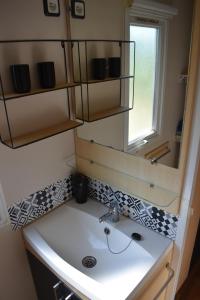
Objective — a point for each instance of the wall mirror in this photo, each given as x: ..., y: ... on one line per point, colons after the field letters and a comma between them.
x: 153, y: 129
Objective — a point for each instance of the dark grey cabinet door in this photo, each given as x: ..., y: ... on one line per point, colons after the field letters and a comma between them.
x: 48, y: 286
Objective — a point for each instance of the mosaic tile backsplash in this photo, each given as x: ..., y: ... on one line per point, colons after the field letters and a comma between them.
x: 135, y: 208
x: 53, y: 195
x: 40, y: 203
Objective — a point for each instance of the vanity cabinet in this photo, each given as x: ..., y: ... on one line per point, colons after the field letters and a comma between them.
x: 48, y: 286
x: 151, y: 291
x: 156, y: 286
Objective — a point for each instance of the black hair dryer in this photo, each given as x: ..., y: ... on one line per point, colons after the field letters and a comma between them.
x: 80, y: 187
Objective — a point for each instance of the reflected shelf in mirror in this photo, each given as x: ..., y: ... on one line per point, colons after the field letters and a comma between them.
x: 92, y: 81
x: 105, y: 114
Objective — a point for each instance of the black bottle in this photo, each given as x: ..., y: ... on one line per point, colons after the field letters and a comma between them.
x: 80, y: 187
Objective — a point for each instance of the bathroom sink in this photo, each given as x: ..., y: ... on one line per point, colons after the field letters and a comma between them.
x: 99, y: 260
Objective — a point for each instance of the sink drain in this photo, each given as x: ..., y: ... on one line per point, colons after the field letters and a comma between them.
x: 89, y: 262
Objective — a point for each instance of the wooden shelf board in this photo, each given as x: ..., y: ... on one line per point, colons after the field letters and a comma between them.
x: 42, y: 134
x: 39, y: 91
x: 107, y: 113
x: 92, y: 81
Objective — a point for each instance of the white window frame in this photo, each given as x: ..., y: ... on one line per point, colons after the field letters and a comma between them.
x: 149, y: 10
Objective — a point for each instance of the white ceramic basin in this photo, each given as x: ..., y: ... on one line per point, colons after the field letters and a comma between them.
x: 64, y: 237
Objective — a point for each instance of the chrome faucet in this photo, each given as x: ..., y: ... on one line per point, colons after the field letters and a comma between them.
x: 113, y: 213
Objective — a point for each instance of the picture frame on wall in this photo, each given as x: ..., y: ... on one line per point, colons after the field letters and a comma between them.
x: 78, y: 9
x: 51, y: 8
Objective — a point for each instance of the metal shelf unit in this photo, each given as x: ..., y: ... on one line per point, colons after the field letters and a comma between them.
x: 119, y: 104
x: 69, y: 85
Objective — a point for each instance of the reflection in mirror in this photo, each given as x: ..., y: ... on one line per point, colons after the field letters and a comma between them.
x: 153, y: 129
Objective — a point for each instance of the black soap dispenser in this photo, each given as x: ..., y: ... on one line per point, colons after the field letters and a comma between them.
x: 80, y: 187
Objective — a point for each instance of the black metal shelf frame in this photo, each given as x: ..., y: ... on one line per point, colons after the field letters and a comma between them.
x: 88, y: 81
x: 68, y: 85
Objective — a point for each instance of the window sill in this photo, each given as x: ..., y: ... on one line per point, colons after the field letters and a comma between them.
x: 139, y: 143
x: 153, y: 141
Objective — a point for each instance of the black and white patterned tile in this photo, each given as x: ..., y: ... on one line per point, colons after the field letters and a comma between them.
x: 135, y: 208
x: 40, y: 203
x: 53, y: 195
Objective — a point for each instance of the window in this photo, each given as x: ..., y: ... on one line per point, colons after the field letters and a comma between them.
x: 141, y: 118
x: 144, y: 119
x: 147, y: 24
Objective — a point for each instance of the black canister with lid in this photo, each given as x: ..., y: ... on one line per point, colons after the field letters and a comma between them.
x: 80, y: 187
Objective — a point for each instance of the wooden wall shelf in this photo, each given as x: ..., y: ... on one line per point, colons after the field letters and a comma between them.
x: 107, y: 113
x: 39, y: 135
x: 92, y: 81
x: 38, y: 91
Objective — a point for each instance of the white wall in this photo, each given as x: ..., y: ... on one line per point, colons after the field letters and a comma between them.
x: 104, y: 20
x: 31, y: 168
